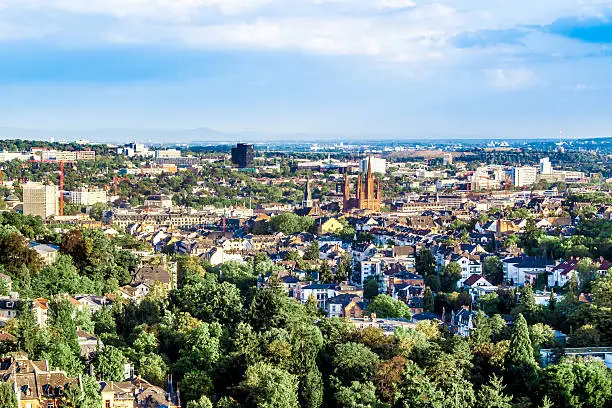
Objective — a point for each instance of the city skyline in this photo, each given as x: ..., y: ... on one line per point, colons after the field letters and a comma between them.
x: 336, y: 67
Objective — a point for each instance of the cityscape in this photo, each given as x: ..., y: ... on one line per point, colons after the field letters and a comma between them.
x: 334, y: 275
x: 305, y: 204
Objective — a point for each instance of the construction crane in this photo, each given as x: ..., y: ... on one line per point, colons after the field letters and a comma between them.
x: 116, y: 181
x: 61, y: 188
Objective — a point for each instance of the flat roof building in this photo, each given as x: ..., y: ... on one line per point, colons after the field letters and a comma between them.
x: 40, y: 199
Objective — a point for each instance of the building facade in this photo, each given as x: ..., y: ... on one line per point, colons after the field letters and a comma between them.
x: 368, y: 194
x: 40, y: 199
x: 243, y: 155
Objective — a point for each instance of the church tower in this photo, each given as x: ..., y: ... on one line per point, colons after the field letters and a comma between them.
x: 307, y: 201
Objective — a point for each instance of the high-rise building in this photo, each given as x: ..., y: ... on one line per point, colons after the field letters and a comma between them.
x: 524, y: 176
x: 40, y: 199
x: 378, y: 165
x: 368, y: 195
x: 243, y: 155
x: 545, y: 166
x: 447, y: 159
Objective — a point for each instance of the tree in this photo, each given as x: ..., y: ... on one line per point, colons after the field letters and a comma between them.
x: 145, y: 343
x: 527, y: 306
x: 520, y: 364
x: 203, y: 402
x: 290, y: 223
x: 357, y: 395
x: 8, y: 399
x: 269, y: 387
x: 493, y: 270
x: 109, y: 364
x: 325, y: 275
x: 344, y: 269
x: 602, y: 290
x: 417, y: 390
x: 531, y: 237
x: 97, y: 211
x: 425, y: 264
x: 312, y: 252
x: 311, y: 389
x: 154, y: 369
x: 451, y: 274
x: 83, y: 395
x: 428, y: 300
x: 30, y: 338
x: 370, y: 288
x: 385, y: 306
x: 492, y: 395
x: 61, y: 356
x: 353, y: 362
x: 586, y: 336
x: 578, y: 382
x: 482, y: 331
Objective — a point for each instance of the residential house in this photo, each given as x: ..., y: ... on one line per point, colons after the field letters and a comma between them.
x: 329, y: 225
x: 36, y: 385
x: 462, y: 322
x: 319, y: 291
x: 478, y: 285
x: 88, y: 343
x: 345, y: 305
x: 525, y: 269
x: 48, y: 253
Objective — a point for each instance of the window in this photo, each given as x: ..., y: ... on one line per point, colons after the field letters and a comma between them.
x: 108, y: 404
x: 50, y: 405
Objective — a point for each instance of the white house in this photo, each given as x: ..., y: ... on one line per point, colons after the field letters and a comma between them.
x: 319, y: 291
x: 521, y: 269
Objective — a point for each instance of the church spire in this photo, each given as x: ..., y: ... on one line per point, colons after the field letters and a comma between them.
x: 307, y: 202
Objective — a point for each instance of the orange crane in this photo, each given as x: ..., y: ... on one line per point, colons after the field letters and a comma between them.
x: 61, y: 188
x: 116, y: 181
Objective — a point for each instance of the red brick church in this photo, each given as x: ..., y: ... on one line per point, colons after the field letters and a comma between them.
x: 368, y: 195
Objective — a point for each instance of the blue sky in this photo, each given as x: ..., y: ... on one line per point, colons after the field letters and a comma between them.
x: 407, y: 68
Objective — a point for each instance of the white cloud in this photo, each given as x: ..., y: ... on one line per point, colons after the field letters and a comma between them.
x: 392, y: 30
x: 511, y: 79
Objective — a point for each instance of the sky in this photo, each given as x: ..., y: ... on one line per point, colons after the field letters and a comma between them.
x: 405, y: 68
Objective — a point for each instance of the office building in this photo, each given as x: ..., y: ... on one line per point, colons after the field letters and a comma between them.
x: 135, y: 150
x: 545, y: 166
x: 40, y: 199
x: 378, y: 165
x: 242, y: 155
x: 168, y: 154
x: 524, y: 176
x: 86, y: 155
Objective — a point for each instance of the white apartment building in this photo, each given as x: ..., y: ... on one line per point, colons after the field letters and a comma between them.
x: 524, y: 176
x: 87, y: 197
x: 40, y: 199
x: 9, y: 156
